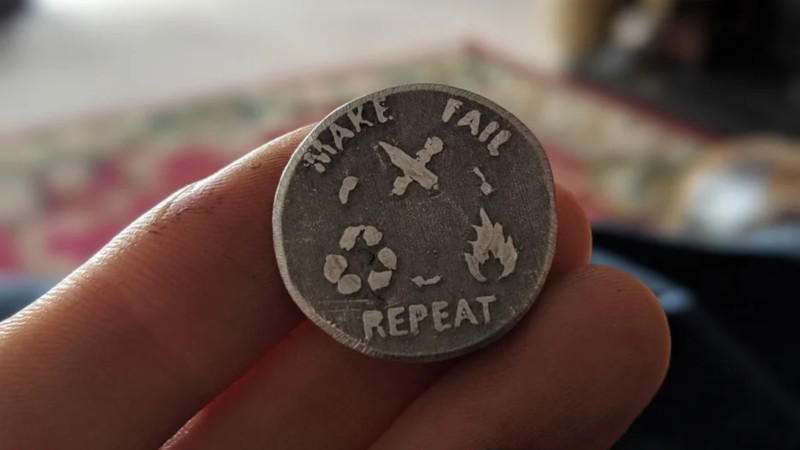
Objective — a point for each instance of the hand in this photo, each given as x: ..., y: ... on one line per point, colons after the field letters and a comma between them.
x: 183, y: 317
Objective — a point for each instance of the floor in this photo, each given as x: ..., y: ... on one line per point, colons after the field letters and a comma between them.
x: 66, y: 58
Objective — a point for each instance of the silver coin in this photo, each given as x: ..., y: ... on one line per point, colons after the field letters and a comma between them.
x: 416, y: 223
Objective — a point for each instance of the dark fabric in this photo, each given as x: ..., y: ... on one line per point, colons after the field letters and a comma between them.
x: 734, y: 378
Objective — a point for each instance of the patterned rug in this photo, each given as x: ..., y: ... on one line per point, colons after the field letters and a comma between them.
x: 69, y: 188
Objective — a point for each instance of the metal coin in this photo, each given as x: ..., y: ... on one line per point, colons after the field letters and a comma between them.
x: 416, y: 223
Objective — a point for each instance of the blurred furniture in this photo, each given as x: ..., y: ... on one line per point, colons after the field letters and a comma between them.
x: 730, y: 66
x: 736, y: 186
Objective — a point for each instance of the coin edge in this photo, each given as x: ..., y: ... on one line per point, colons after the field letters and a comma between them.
x: 357, y: 344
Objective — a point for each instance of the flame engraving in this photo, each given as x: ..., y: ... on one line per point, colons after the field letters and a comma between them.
x: 490, y: 240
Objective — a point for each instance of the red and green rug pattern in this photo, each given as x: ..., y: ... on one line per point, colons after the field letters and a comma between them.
x: 68, y: 189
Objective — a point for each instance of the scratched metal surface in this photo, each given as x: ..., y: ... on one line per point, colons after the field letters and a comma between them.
x: 405, y: 179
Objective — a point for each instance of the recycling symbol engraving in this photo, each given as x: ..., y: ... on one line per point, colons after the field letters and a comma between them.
x: 336, y: 265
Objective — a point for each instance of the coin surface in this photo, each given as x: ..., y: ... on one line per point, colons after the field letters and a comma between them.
x: 416, y: 223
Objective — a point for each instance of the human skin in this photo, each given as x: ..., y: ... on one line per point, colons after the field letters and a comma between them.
x: 179, y: 333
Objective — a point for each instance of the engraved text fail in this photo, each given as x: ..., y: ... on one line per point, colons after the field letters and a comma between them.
x: 472, y: 121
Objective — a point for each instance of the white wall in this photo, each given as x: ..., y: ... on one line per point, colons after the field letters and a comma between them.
x: 75, y: 57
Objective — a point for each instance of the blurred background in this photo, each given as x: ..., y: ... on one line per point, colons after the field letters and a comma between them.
x: 675, y: 122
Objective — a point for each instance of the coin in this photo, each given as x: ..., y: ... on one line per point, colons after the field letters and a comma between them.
x: 416, y: 223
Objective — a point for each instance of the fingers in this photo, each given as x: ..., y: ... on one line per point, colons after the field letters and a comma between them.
x: 128, y: 347
x: 574, y: 242
x: 573, y: 375
x: 314, y: 393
